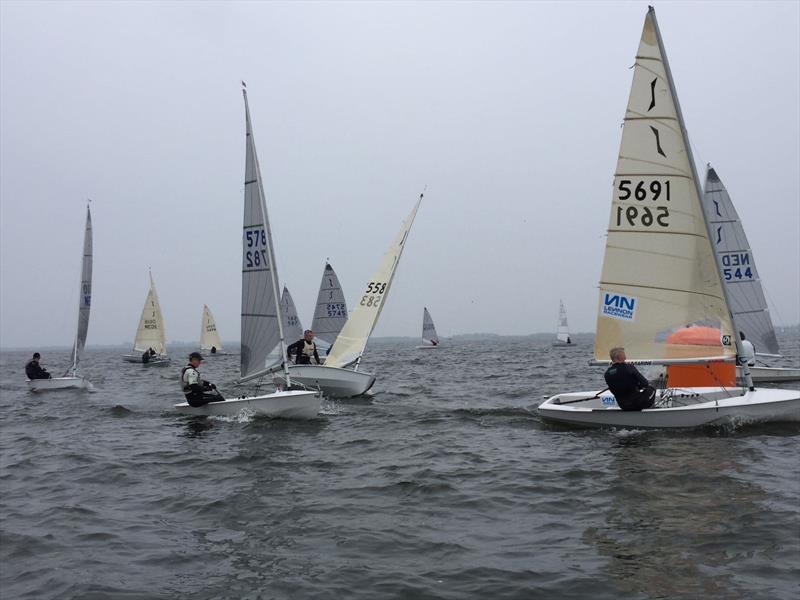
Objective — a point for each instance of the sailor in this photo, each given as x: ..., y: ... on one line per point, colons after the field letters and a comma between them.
x: 748, y: 356
x: 631, y: 390
x: 213, y: 349
x: 304, y: 350
x: 148, y: 354
x: 33, y: 370
x: 198, y: 391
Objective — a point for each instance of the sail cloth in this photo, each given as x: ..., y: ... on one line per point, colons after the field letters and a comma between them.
x: 428, y: 330
x: 209, y: 336
x: 350, y: 343
x: 659, y: 271
x: 562, y: 331
x: 150, y: 333
x: 330, y: 315
x: 738, y: 267
x: 85, y: 296
x: 292, y: 329
x: 261, y: 328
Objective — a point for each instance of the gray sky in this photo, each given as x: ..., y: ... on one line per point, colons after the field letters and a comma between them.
x: 510, y: 113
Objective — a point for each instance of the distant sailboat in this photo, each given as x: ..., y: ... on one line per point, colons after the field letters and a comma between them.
x: 330, y: 314
x: 292, y: 329
x: 263, y: 341
x: 150, y: 333
x: 72, y: 379
x: 562, y: 332
x: 333, y: 378
x: 429, y: 337
x: 209, y: 336
x: 660, y: 277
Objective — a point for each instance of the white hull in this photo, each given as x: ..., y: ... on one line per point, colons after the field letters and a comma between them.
x: 156, y: 361
x: 279, y: 405
x: 770, y: 374
x: 333, y: 381
x: 58, y: 383
x: 690, y: 407
x: 427, y: 347
x: 564, y: 345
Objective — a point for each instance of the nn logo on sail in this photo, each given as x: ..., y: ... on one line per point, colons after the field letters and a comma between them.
x: 618, y: 306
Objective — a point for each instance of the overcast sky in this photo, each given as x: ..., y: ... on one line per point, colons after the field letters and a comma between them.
x: 510, y: 113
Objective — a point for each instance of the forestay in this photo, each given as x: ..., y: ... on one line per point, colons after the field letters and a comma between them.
x: 261, y: 326
x: 330, y: 314
x: 738, y: 268
x: 85, y: 295
x: 150, y: 333
x: 659, y: 271
x: 292, y: 329
x: 209, y: 336
x: 562, y: 331
x: 428, y: 330
x: 350, y: 343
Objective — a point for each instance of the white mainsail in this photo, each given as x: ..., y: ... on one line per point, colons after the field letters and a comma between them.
x: 330, y: 315
x: 562, y: 331
x: 85, y: 295
x: 209, y: 336
x: 428, y: 330
x: 737, y: 266
x: 659, y: 272
x: 350, y: 343
x: 292, y: 328
x: 150, y: 333
x: 263, y: 344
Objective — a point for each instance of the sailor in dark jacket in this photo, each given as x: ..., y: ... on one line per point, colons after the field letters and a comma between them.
x: 630, y: 388
x: 33, y: 370
x: 302, y: 351
x: 198, y: 391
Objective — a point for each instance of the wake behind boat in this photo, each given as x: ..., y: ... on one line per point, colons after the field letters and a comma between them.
x: 660, y: 278
x: 149, y: 346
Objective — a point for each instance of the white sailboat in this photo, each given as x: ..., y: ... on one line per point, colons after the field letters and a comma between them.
x: 330, y: 313
x: 209, y: 336
x: 562, y: 331
x: 660, y: 275
x: 150, y: 334
x: 429, y: 337
x: 262, y: 325
x: 72, y: 378
x: 333, y: 378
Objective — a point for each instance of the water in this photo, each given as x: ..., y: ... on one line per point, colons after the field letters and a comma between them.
x: 444, y: 485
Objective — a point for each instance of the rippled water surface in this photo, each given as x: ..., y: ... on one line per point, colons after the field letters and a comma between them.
x: 444, y: 484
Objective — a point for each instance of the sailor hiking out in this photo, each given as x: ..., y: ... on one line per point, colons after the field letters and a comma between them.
x: 198, y: 391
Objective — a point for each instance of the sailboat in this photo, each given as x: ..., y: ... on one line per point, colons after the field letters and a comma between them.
x: 72, y: 379
x: 562, y: 331
x: 292, y: 328
x: 330, y: 314
x: 150, y: 334
x: 262, y: 324
x: 660, y: 277
x: 209, y: 336
x: 429, y: 337
x: 334, y: 378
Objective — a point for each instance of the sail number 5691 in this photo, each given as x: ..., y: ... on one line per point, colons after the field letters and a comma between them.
x: 642, y: 215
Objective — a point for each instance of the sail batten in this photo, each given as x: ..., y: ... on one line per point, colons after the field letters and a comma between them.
x: 659, y: 272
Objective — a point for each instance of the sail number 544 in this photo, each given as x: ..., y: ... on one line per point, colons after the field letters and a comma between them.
x: 642, y: 191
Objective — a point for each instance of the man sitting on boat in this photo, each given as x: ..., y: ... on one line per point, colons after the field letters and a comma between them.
x: 304, y: 350
x: 148, y: 354
x: 33, y: 370
x: 631, y: 390
x: 198, y: 391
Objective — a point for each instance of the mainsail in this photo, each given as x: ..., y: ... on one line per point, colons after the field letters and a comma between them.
x: 85, y: 296
x: 330, y: 314
x: 350, y: 343
x: 659, y: 272
x: 262, y: 329
x: 428, y: 330
x: 150, y: 333
x: 292, y: 329
x: 209, y: 336
x: 562, y: 331
x: 737, y: 265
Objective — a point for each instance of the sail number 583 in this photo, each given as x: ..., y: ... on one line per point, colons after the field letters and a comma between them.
x: 374, y: 293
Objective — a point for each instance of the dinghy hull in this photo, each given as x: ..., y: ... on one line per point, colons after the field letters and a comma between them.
x: 770, y: 374
x: 58, y: 383
x: 279, y: 405
x: 427, y: 347
x: 333, y: 381
x: 689, y: 407
x: 159, y: 361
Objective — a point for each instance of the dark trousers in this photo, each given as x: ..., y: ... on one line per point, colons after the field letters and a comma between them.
x: 198, y: 399
x: 639, y: 400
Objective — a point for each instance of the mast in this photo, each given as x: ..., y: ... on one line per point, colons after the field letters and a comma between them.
x: 690, y: 156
